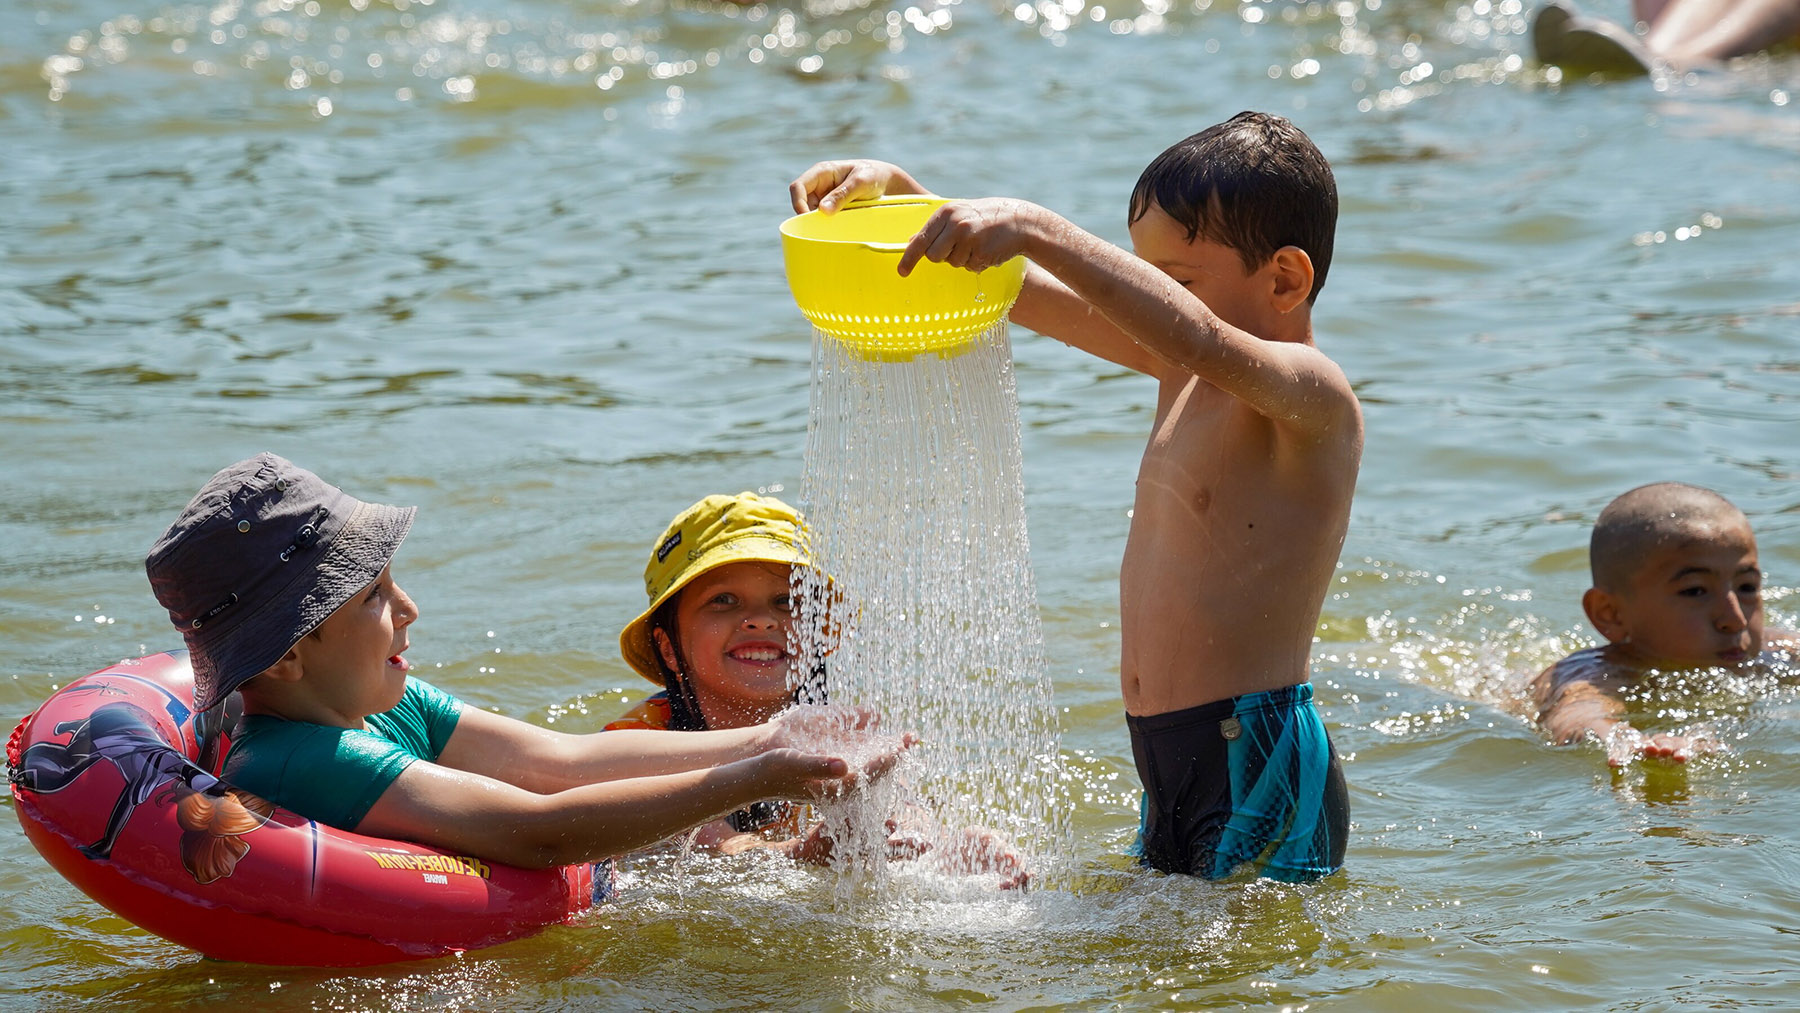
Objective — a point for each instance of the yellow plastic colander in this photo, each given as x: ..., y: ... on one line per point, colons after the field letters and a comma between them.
x: 842, y: 270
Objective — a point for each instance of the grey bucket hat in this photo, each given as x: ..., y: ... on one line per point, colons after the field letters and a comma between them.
x: 264, y: 553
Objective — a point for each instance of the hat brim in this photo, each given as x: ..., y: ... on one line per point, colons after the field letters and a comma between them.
x: 225, y: 659
x: 635, y: 643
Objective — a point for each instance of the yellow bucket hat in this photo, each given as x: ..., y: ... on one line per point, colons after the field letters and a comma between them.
x: 712, y: 533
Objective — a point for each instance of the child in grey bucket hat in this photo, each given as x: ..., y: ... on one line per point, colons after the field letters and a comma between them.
x: 283, y: 588
x: 262, y: 555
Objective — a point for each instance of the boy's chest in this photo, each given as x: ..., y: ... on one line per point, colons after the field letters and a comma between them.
x: 1200, y: 427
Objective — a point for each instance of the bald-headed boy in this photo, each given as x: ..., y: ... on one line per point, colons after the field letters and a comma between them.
x: 1676, y: 586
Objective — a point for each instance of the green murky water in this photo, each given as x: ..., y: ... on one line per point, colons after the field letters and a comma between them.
x: 516, y: 262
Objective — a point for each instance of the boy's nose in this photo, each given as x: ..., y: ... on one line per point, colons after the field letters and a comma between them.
x: 405, y: 611
x: 1731, y: 616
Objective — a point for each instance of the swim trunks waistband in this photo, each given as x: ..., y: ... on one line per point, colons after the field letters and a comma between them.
x: 1219, y: 710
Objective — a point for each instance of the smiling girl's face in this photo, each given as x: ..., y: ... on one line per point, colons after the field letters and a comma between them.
x: 733, y: 624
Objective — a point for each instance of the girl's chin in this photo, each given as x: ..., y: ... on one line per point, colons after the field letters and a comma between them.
x: 755, y: 673
x: 763, y: 690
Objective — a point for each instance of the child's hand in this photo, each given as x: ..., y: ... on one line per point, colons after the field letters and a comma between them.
x: 828, y: 185
x: 812, y: 725
x: 975, y: 234
x: 811, y: 774
x: 1626, y: 743
x: 969, y: 851
x: 981, y: 850
x: 818, y: 845
x: 1679, y: 748
x: 791, y: 773
x: 815, y: 847
x: 852, y: 733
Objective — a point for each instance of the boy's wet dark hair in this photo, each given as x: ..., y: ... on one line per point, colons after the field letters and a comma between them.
x: 1255, y: 183
x: 1637, y: 522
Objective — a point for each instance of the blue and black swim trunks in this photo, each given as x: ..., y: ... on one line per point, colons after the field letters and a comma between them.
x: 1252, y: 779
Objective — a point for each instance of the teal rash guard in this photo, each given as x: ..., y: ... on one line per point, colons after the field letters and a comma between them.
x: 335, y: 775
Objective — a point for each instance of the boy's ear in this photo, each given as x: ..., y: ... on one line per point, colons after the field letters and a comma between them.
x: 1603, y: 611
x: 1292, y: 278
x: 288, y: 669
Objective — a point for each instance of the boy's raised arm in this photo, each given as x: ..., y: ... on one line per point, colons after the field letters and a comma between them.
x: 1051, y: 308
x: 1287, y: 381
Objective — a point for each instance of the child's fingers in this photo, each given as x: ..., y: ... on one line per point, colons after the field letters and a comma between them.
x: 951, y: 243
x: 1674, y: 747
x: 815, y: 847
x: 800, y: 195
x: 828, y: 186
x: 1623, y: 744
x: 817, y: 766
x: 921, y: 242
x: 942, y: 240
x: 905, y: 847
x: 828, y: 204
x: 881, y: 763
x: 850, y: 188
x: 815, y: 187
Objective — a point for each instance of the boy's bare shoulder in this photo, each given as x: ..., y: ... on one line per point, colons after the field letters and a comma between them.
x: 1784, y: 641
x: 1332, y: 412
x: 1589, y: 670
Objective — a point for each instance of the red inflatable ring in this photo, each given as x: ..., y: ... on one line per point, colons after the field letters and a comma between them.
x: 105, y: 779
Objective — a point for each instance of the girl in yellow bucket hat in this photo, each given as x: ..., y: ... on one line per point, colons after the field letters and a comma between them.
x: 715, y: 635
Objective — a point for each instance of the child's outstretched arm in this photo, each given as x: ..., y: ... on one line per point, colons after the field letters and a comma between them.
x: 1046, y: 305
x: 479, y: 815
x: 1582, y: 708
x: 545, y: 761
x: 1574, y: 710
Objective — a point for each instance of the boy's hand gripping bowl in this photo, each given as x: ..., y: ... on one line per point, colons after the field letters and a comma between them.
x: 842, y: 270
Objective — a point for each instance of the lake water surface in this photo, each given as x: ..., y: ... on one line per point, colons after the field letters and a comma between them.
x: 515, y: 261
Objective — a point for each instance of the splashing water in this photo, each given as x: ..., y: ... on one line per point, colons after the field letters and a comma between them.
x: 921, y: 600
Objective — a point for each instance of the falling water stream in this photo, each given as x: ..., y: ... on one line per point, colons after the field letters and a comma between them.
x: 922, y: 598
